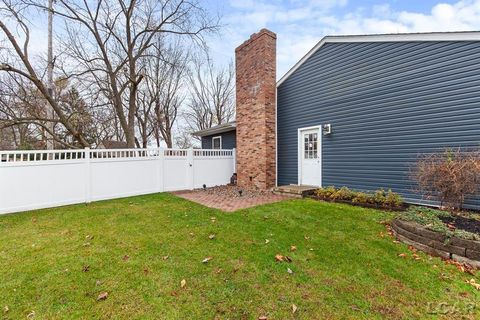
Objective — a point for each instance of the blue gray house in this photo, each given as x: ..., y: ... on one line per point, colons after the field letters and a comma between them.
x: 222, y: 136
x: 357, y: 111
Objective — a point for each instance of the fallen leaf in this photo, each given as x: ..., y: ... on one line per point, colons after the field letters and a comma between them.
x: 207, y: 259
x: 288, y: 259
x: 355, y: 307
x: 294, y: 308
x: 31, y: 315
x: 403, y: 255
x: 267, y: 241
x: 293, y: 248
x: 279, y: 257
x: 218, y: 270
x: 165, y: 257
x: 98, y: 282
x: 173, y: 293
x: 212, y: 236
x: 183, y: 283
x: 6, y: 309
x: 86, y: 268
x: 86, y: 244
x: 102, y: 296
x: 89, y: 237
x: 473, y: 283
x: 262, y: 318
x: 289, y: 270
x: 125, y: 258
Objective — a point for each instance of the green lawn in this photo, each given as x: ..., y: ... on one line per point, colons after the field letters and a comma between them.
x: 56, y: 262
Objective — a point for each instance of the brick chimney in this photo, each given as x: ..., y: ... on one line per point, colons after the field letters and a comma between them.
x: 255, y: 63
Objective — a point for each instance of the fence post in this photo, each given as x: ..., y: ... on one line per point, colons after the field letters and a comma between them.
x: 234, y: 158
x: 190, y: 170
x: 160, y: 169
x: 88, y: 177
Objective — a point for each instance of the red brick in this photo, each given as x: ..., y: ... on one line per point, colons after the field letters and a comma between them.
x: 255, y: 102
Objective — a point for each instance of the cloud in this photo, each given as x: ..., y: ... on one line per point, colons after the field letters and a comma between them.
x: 300, y: 24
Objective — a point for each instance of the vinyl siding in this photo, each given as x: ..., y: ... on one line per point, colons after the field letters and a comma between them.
x: 387, y: 103
x: 228, y: 140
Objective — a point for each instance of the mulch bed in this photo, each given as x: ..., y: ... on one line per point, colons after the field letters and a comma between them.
x: 233, y: 191
x: 230, y: 197
x: 463, y: 223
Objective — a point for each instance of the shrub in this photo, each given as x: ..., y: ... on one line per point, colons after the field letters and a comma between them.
x: 361, y: 197
x: 448, y: 177
x: 392, y: 199
x: 325, y: 193
x: 380, y: 198
x: 343, y: 194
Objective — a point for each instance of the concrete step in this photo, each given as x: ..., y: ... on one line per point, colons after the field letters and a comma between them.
x: 293, y: 190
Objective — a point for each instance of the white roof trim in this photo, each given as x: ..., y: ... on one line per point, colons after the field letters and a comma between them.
x: 225, y: 127
x: 398, y: 37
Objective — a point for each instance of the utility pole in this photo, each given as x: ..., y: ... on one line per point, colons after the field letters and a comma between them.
x: 50, y: 112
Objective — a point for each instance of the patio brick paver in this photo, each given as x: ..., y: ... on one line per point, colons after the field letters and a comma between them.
x: 228, y: 203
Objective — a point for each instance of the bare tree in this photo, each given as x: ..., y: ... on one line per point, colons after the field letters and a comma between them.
x: 165, y: 92
x: 50, y: 65
x: 25, y: 111
x: 212, y: 95
x: 183, y: 139
x: 14, y: 26
x: 108, y: 40
x: 102, y: 44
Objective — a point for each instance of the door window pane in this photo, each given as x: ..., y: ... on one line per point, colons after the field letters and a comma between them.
x: 310, y: 146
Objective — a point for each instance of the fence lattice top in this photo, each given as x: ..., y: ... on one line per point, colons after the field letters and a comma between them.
x: 98, y: 154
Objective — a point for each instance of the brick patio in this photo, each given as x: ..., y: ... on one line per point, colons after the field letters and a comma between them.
x: 226, y: 202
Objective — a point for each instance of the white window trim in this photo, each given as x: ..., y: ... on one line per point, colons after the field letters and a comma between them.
x: 217, y: 137
x: 300, y: 152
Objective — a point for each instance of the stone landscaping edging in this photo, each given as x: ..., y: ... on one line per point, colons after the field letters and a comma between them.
x: 437, y: 244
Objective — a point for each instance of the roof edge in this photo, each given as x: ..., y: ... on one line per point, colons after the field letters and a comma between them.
x: 226, y: 127
x: 392, y: 37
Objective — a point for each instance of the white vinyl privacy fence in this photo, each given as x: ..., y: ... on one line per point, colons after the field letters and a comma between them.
x: 42, y: 179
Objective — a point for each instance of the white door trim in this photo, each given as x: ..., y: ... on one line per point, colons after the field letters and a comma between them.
x: 299, y: 151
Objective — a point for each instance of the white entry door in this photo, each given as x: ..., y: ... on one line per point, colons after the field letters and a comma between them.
x: 310, y: 157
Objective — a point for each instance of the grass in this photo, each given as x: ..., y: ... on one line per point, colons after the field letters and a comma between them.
x: 343, y: 267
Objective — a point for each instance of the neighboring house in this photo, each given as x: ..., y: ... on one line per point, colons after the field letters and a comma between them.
x: 222, y: 136
x: 112, y: 144
x: 356, y: 111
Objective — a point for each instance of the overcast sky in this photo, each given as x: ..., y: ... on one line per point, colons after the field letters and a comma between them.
x: 300, y: 24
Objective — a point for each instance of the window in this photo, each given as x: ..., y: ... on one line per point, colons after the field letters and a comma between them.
x: 217, y: 143
x: 310, y: 145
